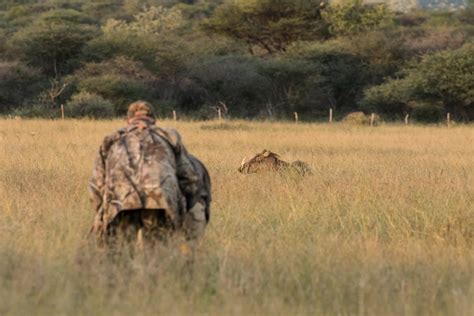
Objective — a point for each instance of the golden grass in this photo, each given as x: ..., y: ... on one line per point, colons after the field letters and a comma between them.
x: 385, y: 225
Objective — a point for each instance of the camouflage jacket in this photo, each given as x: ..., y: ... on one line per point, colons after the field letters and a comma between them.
x: 141, y: 167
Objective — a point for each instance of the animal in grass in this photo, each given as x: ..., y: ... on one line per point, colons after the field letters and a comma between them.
x: 145, y: 186
x: 270, y: 161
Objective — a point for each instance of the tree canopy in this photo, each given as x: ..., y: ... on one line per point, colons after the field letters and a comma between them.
x: 270, y: 25
x: 257, y: 58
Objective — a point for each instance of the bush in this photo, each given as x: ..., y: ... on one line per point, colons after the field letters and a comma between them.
x: 19, y: 84
x: 355, y: 118
x: 120, y: 80
x: 164, y: 108
x: 234, y: 80
x: 427, y: 112
x: 442, y: 78
x: 296, y: 84
x: 390, y: 99
x: 268, y: 26
x: 85, y: 104
x: 411, y: 18
x: 353, y: 17
x: 53, y: 42
x: 434, y: 39
x: 37, y: 110
x: 148, y: 37
x: 383, y: 50
x: 331, y: 77
x: 359, y: 118
x: 309, y: 79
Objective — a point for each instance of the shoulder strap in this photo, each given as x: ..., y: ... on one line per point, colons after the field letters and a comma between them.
x: 164, y: 135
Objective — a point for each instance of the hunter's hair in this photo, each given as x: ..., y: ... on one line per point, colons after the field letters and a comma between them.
x: 140, y: 108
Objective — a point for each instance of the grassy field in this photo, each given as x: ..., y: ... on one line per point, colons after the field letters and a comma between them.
x: 385, y: 226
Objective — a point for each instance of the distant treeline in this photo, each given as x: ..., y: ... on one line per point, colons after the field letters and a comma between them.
x: 249, y: 58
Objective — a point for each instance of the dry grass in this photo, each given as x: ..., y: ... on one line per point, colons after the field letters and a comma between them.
x: 385, y: 225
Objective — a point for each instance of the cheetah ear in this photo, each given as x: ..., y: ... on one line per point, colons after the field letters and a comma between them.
x: 243, y: 162
x: 266, y: 153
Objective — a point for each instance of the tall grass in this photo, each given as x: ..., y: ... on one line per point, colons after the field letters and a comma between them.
x: 384, y: 226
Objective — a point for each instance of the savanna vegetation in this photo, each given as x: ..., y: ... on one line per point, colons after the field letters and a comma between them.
x: 384, y: 226
x: 251, y: 58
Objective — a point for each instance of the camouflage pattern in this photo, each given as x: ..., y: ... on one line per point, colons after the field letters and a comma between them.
x: 196, y: 219
x: 270, y: 161
x: 143, y: 167
x: 136, y: 227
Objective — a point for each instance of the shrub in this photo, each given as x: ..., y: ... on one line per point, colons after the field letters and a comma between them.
x: 383, y: 50
x: 146, y: 38
x: 411, y: 18
x: 390, y: 99
x: 234, y: 80
x: 37, y: 110
x: 19, y: 84
x: 53, y: 42
x: 331, y: 76
x: 355, y: 118
x: 119, y: 80
x: 359, y: 118
x: 427, y: 112
x: 85, y: 104
x: 442, y: 78
x: 353, y: 17
x: 268, y: 26
x: 164, y: 108
x: 434, y: 39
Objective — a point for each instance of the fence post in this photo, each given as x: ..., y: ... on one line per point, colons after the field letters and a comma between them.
x: 175, y: 117
x: 330, y: 115
x: 372, y: 119
x: 448, y: 119
x: 406, y: 119
x: 296, y: 116
x: 62, y: 111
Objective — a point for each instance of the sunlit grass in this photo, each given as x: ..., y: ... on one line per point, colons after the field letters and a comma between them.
x: 384, y: 226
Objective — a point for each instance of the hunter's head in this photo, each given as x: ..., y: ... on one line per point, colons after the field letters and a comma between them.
x: 264, y: 161
x: 140, y: 109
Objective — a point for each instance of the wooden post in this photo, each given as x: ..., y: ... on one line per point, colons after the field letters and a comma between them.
x: 406, y: 119
x: 330, y: 115
x: 219, y: 113
x: 448, y: 119
x: 175, y: 117
x: 296, y: 116
x: 62, y: 111
x: 372, y: 119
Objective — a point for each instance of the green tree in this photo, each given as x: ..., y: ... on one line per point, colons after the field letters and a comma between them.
x: 295, y: 85
x: 103, y: 9
x: 119, y: 80
x: 442, y: 79
x: 448, y: 77
x: 233, y: 80
x: 85, y: 104
x: 268, y: 25
x: 151, y: 34
x: 54, y: 41
x: 330, y: 77
x: 354, y: 17
x: 18, y: 84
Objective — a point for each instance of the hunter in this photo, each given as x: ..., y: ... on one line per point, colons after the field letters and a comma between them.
x: 145, y: 185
